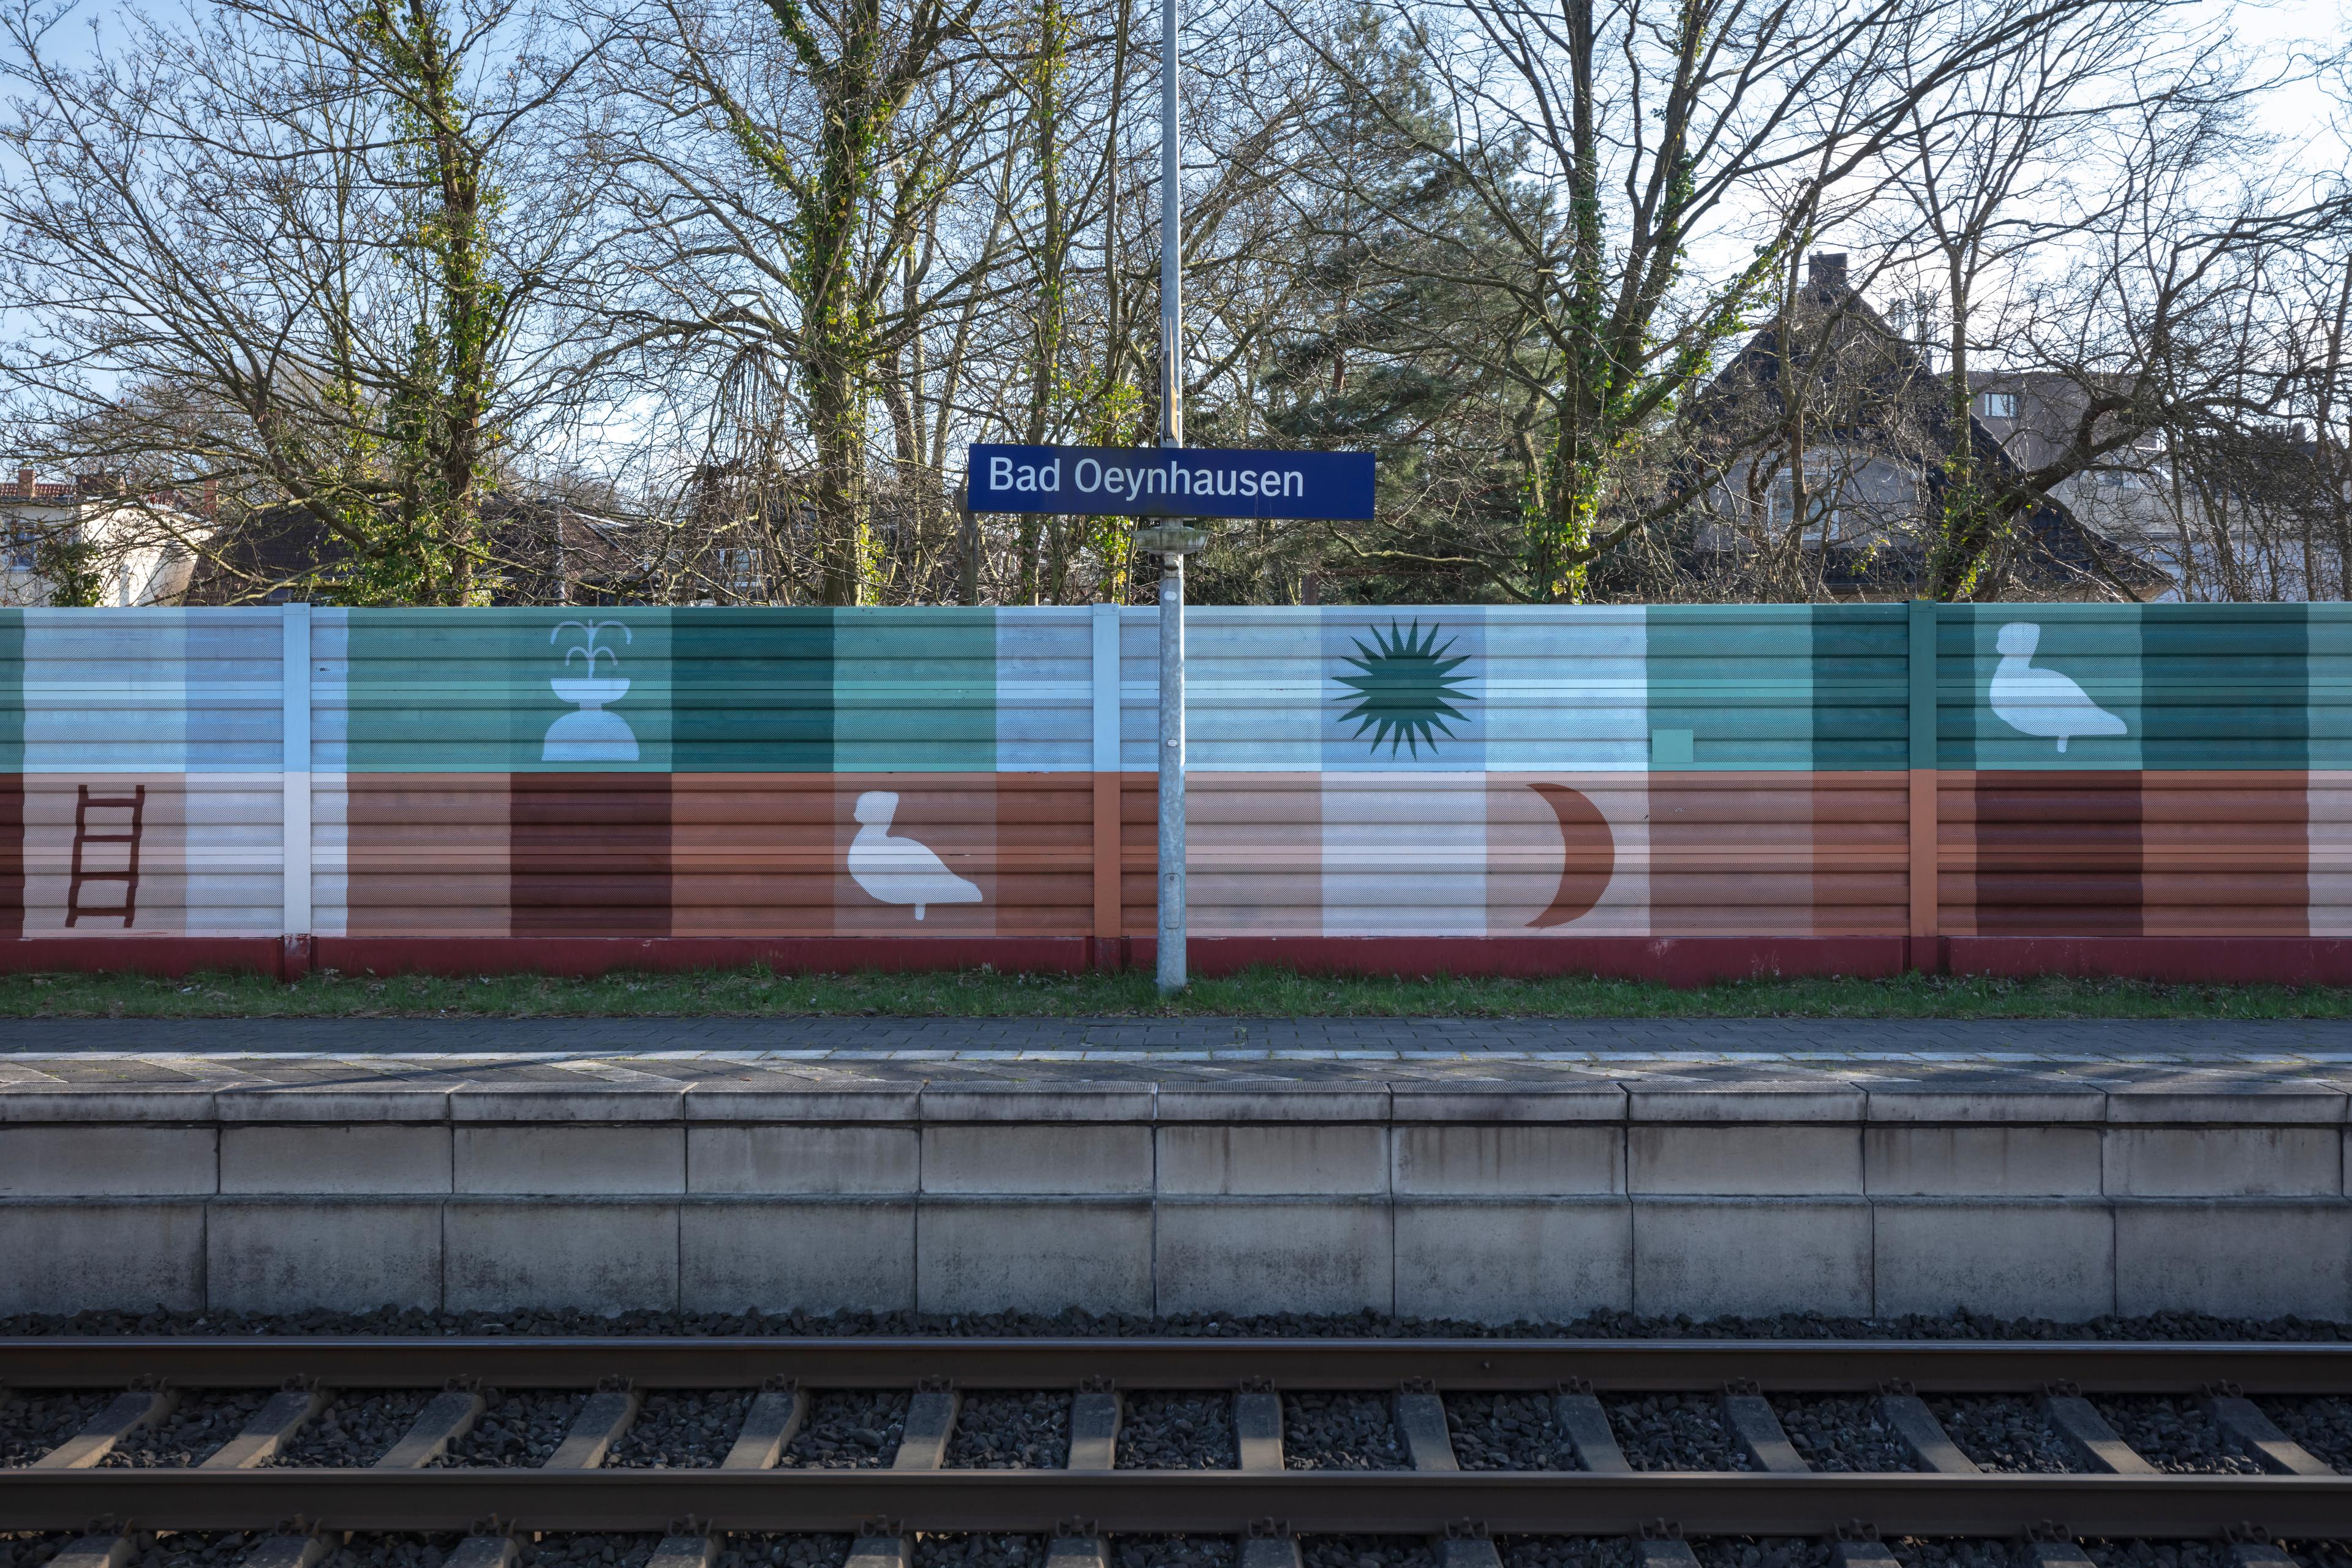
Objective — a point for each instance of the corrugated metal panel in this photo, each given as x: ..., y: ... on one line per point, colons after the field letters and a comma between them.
x: 1417, y: 771
x: 150, y: 745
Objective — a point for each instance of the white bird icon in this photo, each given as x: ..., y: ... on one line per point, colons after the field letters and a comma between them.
x: 900, y: 870
x: 2041, y: 701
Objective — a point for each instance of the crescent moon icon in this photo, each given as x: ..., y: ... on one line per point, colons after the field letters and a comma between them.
x: 1588, y: 855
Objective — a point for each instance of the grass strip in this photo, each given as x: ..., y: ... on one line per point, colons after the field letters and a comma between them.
x: 758, y: 992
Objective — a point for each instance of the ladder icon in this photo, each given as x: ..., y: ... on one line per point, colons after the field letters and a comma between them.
x: 135, y: 803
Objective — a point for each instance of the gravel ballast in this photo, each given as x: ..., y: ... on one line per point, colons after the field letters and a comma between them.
x: 1507, y: 1432
x: 393, y: 1552
x: 587, y: 1550
x: 1340, y: 1432
x: 1842, y: 1435
x: 1948, y: 1553
x: 31, y: 1548
x: 516, y: 1432
x: 35, y: 1422
x: 2176, y: 1437
x: 1565, y: 1551
x: 978, y: 1551
x: 1674, y: 1432
x: 759, y: 1550
x: 189, y: 1434
x: 2321, y: 1425
x: 848, y: 1430
x: 353, y: 1431
x: 1183, y: 1430
x: 193, y: 1549
x: 1761, y: 1551
x: 1366, y: 1551
x: 396, y: 1322
x: 2156, y: 1553
x: 1174, y: 1552
x: 681, y: 1431
x: 2004, y: 1434
x: 1000, y: 1431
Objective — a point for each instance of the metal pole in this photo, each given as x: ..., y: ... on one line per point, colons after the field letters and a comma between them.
x: 1170, y: 966
x: 1171, y: 242
x: 1170, y: 970
x: 969, y: 541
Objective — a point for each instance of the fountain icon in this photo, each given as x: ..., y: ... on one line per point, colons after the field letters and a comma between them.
x: 590, y: 734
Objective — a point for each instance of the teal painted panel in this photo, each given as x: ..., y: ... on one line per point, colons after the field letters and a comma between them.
x: 914, y: 690
x: 12, y: 692
x: 754, y: 690
x: 2327, y: 685
x: 2225, y: 686
x: 1737, y: 681
x: 1862, y: 691
x: 2014, y: 681
x: 509, y: 690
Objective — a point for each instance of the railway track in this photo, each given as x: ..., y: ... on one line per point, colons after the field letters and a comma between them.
x: 1401, y: 1437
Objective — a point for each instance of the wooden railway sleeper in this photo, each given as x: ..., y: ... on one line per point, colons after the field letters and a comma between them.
x: 146, y: 1403
x: 1930, y: 1447
x: 447, y: 1417
x: 1257, y: 1428
x: 1748, y: 1417
x: 601, y: 1423
x: 1269, y: 1544
x: 2049, y: 1546
x: 931, y: 1422
x: 775, y: 1418
x: 2099, y: 1446
x: 1076, y: 1544
x: 101, y: 1548
x: 2258, y: 1435
x: 1577, y: 1413
x: 296, y: 1543
x: 272, y: 1427
x: 1095, y: 1412
x: 1466, y: 1543
x: 1421, y: 1417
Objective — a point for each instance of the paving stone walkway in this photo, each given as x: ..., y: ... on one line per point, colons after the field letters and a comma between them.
x: 621, y: 1050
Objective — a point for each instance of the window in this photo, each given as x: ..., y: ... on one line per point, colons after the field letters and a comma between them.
x: 1998, y: 406
x: 16, y: 550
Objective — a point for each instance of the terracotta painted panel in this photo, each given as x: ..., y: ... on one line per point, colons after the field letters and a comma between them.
x: 1861, y: 847
x: 1568, y: 855
x: 2045, y: 853
x: 924, y: 855
x: 590, y: 854
x: 2225, y: 853
x: 1731, y: 853
x: 12, y: 855
x: 426, y: 854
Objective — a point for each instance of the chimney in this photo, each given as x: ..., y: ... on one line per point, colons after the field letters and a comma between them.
x: 24, y: 483
x: 1826, y: 270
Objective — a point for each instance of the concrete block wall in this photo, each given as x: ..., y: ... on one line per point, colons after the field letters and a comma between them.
x: 1494, y: 1202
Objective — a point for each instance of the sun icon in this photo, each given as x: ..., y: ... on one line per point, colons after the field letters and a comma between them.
x: 1407, y: 689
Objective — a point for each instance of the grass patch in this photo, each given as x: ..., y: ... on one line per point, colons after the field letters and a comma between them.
x: 1259, y: 992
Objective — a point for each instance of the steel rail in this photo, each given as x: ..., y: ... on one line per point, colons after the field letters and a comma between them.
x: 1232, y: 1503
x: 1809, y: 1366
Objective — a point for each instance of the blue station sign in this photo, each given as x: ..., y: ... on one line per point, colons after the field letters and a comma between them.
x: 1156, y: 481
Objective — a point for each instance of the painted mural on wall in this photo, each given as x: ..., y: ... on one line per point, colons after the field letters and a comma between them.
x: 1449, y: 770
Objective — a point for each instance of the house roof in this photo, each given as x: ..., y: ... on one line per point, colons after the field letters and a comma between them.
x: 1898, y: 406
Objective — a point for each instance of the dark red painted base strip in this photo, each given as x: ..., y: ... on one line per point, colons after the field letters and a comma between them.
x: 2191, y: 959
x: 1674, y: 961
x: 166, y: 955
x: 792, y: 955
